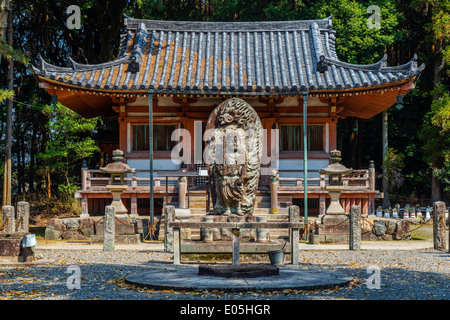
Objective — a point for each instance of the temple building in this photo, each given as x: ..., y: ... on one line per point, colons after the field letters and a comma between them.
x: 186, y: 69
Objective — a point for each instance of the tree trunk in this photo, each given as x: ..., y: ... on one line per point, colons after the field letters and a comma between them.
x: 49, y: 186
x: 437, y: 68
x: 9, y: 106
x: 385, y: 147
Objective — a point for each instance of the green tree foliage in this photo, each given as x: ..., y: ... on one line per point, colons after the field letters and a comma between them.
x: 6, y: 94
x: 436, y: 135
x: 69, y: 141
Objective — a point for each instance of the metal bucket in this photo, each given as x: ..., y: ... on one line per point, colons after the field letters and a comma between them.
x: 276, y: 256
x: 29, y: 240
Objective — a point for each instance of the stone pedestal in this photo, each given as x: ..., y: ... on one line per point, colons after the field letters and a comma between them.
x: 209, y: 235
x: 116, y: 191
x: 333, y: 229
x: 335, y: 206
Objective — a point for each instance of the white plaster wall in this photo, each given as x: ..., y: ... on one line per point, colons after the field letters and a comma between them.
x: 158, y: 164
x: 297, y: 164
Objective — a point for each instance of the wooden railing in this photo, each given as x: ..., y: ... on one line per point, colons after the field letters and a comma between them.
x: 358, y: 180
x: 92, y: 179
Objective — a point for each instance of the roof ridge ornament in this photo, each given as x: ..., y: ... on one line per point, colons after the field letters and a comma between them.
x: 322, y: 65
x: 133, y: 65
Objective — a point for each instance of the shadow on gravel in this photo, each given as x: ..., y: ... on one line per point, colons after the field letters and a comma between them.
x: 105, y: 281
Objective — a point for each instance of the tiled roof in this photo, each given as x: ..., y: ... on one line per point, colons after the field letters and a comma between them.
x: 213, y: 57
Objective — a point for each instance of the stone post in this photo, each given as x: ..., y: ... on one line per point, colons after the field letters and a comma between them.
x: 9, y: 222
x: 274, y: 195
x: 207, y: 233
x: 261, y: 234
x: 294, y: 216
x: 169, y: 217
x: 439, y: 225
x: 23, y: 216
x: 84, y: 175
x: 182, y: 193
x: 355, y: 228
x: 372, y: 175
x: 236, y: 246
x: 84, y: 206
x: 109, y: 228
x: 176, y: 246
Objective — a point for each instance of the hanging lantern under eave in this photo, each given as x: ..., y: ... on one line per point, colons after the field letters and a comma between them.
x: 54, y: 101
x: 399, y: 104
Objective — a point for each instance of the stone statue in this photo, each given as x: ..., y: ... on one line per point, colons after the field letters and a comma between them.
x: 234, y: 150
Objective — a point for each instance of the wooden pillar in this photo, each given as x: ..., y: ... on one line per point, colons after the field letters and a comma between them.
x: 134, y: 212
x: 385, y: 146
x: 333, y: 134
x: 123, y: 135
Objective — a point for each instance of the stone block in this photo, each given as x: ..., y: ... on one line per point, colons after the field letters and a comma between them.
x: 10, y: 248
x: 118, y: 239
x: 332, y: 219
x: 336, y: 238
x: 316, y: 238
x: 123, y: 226
x: 379, y: 227
x: 86, y: 226
x: 71, y: 223
x: 368, y: 236
x: 391, y: 225
x: 54, y: 229
x: 402, y: 231
x: 366, y: 226
x: 73, y: 235
x: 127, y: 238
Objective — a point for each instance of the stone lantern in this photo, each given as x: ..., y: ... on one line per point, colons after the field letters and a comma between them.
x: 117, y: 170
x: 335, y: 172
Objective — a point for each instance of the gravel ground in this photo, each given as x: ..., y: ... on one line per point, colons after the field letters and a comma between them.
x: 405, y: 275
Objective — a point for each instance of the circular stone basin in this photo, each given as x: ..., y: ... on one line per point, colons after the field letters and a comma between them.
x: 239, y: 271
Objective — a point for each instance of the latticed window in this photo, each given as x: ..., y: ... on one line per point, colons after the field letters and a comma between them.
x: 291, y: 137
x: 161, y: 137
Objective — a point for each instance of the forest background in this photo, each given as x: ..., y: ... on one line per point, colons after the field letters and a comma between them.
x: 49, y: 142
